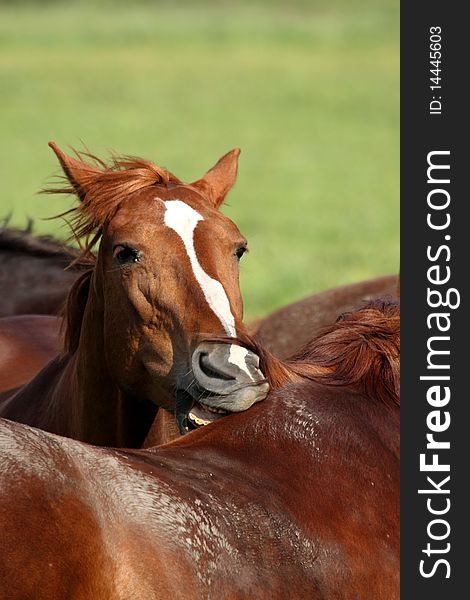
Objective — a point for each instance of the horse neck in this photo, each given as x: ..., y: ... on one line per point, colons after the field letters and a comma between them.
x: 86, y: 393
x: 76, y: 396
x: 96, y: 410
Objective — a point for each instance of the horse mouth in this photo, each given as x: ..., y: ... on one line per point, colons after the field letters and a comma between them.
x: 201, y: 414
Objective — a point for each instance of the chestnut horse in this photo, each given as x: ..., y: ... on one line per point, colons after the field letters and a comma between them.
x: 296, y: 498
x: 34, y: 271
x: 166, y: 271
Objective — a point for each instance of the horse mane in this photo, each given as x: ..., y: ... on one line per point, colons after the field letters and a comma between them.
x: 43, y: 246
x: 102, y: 187
x: 360, y: 350
x: 73, y: 311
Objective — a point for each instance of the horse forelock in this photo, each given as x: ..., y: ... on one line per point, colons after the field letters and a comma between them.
x: 104, y: 187
x: 107, y: 186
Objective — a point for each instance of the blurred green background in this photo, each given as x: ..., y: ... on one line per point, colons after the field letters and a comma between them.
x: 309, y: 90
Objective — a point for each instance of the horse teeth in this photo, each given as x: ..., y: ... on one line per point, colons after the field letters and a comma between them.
x: 197, y: 420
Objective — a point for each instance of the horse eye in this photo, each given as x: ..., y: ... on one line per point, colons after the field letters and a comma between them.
x: 125, y: 254
x: 240, y: 252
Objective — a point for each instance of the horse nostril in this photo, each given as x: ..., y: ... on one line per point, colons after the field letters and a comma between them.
x: 211, y: 370
x: 226, y: 371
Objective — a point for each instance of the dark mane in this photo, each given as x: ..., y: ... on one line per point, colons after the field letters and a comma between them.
x: 107, y: 185
x: 22, y: 240
x: 361, y: 350
x: 73, y: 311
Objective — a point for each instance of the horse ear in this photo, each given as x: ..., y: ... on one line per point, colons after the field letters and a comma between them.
x: 219, y: 180
x: 80, y: 174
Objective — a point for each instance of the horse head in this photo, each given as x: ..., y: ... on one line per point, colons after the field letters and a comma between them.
x: 166, y: 276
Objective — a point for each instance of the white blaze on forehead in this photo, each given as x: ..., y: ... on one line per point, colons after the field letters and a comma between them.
x: 183, y: 219
x: 237, y: 356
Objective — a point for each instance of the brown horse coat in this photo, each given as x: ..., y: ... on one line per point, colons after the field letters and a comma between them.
x: 296, y: 498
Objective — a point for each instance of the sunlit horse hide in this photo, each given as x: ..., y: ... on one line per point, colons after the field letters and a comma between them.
x: 285, y: 331
x: 166, y: 274
x: 296, y: 498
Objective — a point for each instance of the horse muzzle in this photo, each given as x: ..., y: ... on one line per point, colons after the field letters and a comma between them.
x: 227, y: 378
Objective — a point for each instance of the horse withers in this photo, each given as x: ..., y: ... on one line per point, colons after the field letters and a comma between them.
x: 296, y: 498
x: 167, y: 272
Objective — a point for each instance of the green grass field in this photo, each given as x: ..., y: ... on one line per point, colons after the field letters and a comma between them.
x: 310, y: 93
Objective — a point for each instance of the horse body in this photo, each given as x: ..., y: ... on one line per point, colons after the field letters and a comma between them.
x: 296, y: 498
